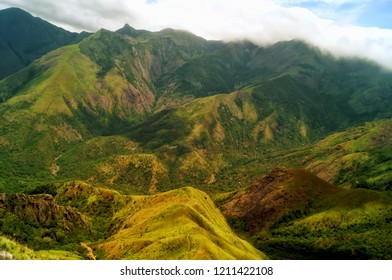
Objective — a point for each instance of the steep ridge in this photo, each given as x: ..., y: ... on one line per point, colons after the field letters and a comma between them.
x: 180, y: 224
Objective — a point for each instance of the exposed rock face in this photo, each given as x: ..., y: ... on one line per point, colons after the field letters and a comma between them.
x: 43, y: 209
x: 4, y: 255
x: 90, y: 253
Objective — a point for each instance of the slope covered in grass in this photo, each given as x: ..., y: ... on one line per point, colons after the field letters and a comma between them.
x: 180, y: 224
x: 357, y: 158
x: 356, y: 224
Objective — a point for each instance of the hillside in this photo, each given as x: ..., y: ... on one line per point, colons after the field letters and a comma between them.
x: 293, y: 214
x: 357, y: 158
x: 180, y: 224
x: 21, y: 252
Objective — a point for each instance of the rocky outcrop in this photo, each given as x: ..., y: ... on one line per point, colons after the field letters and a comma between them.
x: 43, y: 209
x: 89, y: 252
x: 4, y: 255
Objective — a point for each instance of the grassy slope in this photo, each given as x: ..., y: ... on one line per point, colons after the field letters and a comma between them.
x: 360, y: 157
x: 34, y: 121
x: 52, y: 105
x: 352, y: 225
x: 180, y: 224
x: 69, y: 75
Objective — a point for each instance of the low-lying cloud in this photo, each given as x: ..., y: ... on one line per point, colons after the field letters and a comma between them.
x: 264, y: 22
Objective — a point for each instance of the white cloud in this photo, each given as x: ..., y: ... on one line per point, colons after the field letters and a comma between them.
x: 264, y: 22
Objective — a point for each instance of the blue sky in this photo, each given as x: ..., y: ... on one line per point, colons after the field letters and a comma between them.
x: 377, y: 13
x: 363, y: 13
x: 345, y: 28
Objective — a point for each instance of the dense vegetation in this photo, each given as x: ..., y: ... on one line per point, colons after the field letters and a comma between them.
x: 139, y: 115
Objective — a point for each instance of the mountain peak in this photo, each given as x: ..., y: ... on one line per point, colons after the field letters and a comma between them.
x: 130, y: 31
x: 14, y: 11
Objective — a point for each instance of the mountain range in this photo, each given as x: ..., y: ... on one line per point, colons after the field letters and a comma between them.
x: 164, y: 145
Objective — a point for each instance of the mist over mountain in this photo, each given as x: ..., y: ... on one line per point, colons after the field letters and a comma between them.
x: 135, y: 112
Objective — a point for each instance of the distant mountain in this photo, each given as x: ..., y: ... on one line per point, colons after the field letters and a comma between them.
x: 24, y: 38
x: 191, y: 106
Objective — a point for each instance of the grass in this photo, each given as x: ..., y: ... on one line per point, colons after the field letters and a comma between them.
x: 352, y: 225
x: 68, y: 75
x: 359, y: 157
x: 180, y: 224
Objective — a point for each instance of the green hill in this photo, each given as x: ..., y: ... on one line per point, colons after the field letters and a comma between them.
x: 293, y: 214
x: 180, y: 224
x: 21, y: 252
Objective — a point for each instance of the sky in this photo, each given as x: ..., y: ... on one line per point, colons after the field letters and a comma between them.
x: 345, y: 28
